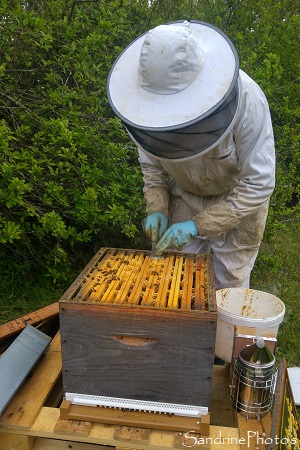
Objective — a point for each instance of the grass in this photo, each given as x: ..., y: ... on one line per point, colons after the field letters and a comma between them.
x: 17, y: 299
x: 277, y: 271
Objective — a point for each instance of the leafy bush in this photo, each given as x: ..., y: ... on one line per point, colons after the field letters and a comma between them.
x: 69, y: 177
x: 70, y: 180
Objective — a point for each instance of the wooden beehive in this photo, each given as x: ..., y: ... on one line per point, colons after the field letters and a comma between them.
x: 140, y: 328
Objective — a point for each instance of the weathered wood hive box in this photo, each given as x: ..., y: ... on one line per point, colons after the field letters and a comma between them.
x: 140, y: 328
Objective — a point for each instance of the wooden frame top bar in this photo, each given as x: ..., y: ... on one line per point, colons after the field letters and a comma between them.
x: 132, y: 277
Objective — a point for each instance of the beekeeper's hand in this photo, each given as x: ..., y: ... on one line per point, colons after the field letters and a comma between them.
x: 177, y: 236
x: 155, y: 225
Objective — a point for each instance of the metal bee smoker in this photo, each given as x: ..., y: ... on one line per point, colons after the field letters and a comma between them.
x: 253, y: 380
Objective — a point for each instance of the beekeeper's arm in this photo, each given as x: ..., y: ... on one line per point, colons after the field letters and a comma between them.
x: 256, y: 162
x: 156, y: 196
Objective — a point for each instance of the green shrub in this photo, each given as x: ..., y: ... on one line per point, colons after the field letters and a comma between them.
x: 69, y: 176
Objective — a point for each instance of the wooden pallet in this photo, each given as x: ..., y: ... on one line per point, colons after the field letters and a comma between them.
x: 32, y: 420
x: 46, y: 319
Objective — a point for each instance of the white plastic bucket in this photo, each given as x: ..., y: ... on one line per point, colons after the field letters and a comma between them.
x: 248, y: 308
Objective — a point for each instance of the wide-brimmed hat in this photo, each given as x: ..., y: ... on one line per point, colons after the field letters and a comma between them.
x: 173, y: 77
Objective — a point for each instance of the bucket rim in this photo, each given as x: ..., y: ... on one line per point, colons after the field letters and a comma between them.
x: 269, y: 294
x: 229, y: 317
x: 225, y: 314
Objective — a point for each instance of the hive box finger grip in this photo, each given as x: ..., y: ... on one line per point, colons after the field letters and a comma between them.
x: 136, y: 342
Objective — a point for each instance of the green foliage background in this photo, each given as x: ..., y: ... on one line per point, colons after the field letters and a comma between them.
x: 69, y: 178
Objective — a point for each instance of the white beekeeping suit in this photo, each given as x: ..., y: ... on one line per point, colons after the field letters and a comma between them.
x: 206, y: 146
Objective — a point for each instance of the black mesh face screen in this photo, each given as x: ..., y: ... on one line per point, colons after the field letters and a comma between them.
x: 194, y: 139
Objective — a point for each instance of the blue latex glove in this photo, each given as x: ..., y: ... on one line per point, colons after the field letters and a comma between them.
x: 155, y: 225
x: 177, y: 236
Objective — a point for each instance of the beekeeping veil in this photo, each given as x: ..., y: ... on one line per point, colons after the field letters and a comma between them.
x: 175, y: 89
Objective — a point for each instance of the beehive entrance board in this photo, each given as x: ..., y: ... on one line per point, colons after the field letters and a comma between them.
x: 139, y: 328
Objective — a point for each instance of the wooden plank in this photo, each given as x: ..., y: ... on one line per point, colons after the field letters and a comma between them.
x: 220, y: 437
x: 120, y: 277
x: 163, y: 291
x: 45, y: 426
x: 129, y: 281
x: 175, y: 284
x: 138, y: 419
x: 93, y: 289
x: 187, y: 286
x: 102, y: 275
x: 89, y: 284
x: 188, y: 440
x: 128, y: 277
x: 123, y: 448
x: 27, y: 403
x: 73, y: 427
x: 75, y: 286
x: 132, y: 434
x: 54, y: 444
x: 199, y: 286
x: 17, y: 325
x: 104, y: 435
x: 101, y: 434
x: 285, y: 421
x: 10, y: 441
x: 152, y: 282
x: 211, y: 285
x: 100, y: 279
x: 253, y: 433
x: 56, y: 394
x: 221, y: 408
x: 158, y: 440
x: 134, y: 297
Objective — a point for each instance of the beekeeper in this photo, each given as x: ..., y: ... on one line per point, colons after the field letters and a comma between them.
x: 205, y: 141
